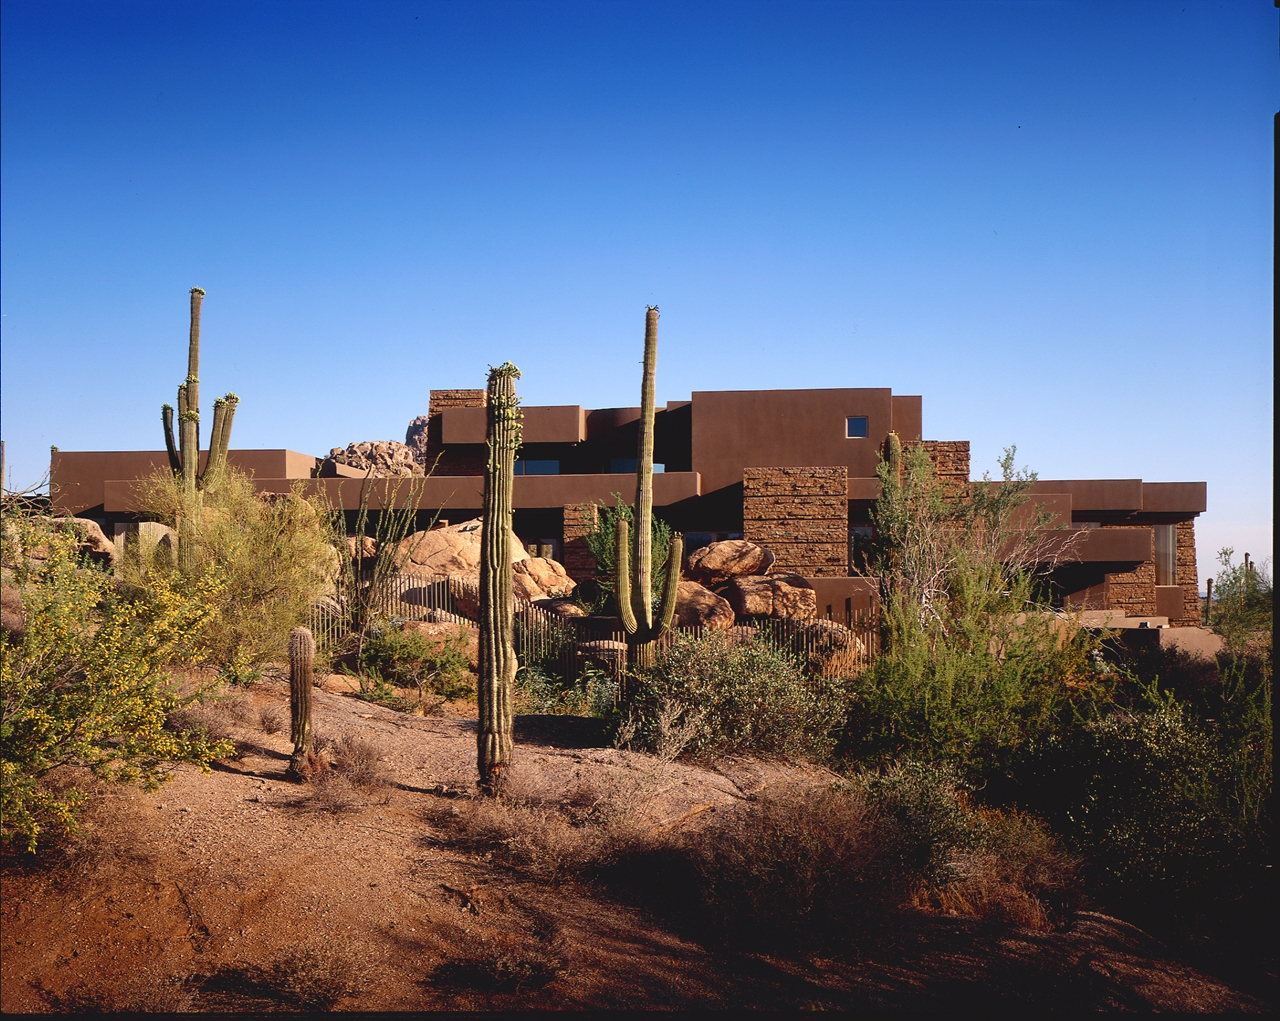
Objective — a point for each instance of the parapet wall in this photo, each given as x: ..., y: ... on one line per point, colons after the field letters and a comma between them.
x: 456, y: 461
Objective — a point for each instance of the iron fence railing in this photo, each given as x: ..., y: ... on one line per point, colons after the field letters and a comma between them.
x: 823, y: 648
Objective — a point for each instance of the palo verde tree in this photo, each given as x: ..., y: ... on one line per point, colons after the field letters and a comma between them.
x: 497, y: 608
x: 184, y: 458
x: 644, y: 622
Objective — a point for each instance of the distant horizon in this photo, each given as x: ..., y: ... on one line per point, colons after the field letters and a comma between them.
x: 1051, y: 221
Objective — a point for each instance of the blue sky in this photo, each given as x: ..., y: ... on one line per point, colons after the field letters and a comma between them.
x: 1053, y: 220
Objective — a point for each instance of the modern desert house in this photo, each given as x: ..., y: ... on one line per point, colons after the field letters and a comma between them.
x: 791, y: 470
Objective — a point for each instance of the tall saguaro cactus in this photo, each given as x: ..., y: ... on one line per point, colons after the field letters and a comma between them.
x: 184, y: 456
x: 302, y: 654
x: 641, y: 620
x: 497, y: 607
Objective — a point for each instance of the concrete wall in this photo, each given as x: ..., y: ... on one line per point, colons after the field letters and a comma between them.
x: 800, y: 514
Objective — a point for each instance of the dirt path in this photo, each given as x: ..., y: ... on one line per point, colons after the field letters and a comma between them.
x: 240, y: 891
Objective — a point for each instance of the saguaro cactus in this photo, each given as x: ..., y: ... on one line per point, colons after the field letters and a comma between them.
x: 641, y: 620
x: 497, y: 608
x: 184, y: 457
x: 302, y: 654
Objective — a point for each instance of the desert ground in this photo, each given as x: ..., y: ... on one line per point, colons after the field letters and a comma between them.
x: 238, y: 890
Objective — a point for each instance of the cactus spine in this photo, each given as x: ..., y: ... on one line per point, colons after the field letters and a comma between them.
x: 643, y: 622
x: 302, y: 654
x: 497, y: 608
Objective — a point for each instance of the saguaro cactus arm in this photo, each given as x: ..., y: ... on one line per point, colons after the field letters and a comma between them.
x: 671, y: 586
x: 224, y: 410
x: 497, y: 607
x: 171, y: 448
x: 622, y: 578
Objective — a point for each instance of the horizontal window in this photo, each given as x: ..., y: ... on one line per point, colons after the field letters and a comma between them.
x: 856, y: 428
x: 628, y: 466
x: 532, y: 467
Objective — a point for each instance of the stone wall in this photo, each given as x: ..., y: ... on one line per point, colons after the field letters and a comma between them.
x: 454, y: 462
x: 1188, y: 575
x: 950, y: 462
x: 1135, y: 591
x: 579, y: 519
x: 801, y: 515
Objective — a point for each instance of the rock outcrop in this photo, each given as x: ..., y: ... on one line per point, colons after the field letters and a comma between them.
x: 540, y: 578
x: 783, y: 595
x: 386, y: 458
x: 698, y: 606
x: 415, y: 437
x: 716, y: 563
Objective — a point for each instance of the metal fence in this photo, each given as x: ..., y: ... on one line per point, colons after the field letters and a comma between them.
x: 563, y: 646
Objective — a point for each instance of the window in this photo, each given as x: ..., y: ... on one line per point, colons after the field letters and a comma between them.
x: 856, y: 428
x: 628, y: 466
x: 531, y: 467
x: 1166, y: 554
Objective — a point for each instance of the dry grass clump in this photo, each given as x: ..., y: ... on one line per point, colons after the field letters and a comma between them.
x: 271, y: 719
x: 136, y: 997
x: 586, y: 830
x: 306, y: 979
x: 359, y: 760
x: 216, y: 719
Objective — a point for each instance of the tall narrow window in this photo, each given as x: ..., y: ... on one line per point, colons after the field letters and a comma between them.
x: 1166, y: 554
x: 856, y: 428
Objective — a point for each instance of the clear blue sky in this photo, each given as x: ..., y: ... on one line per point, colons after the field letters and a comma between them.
x: 1053, y: 220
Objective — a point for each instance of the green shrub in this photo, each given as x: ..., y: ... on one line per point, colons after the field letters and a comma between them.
x: 86, y: 683
x: 594, y: 693
x: 603, y: 543
x: 274, y: 554
x: 1243, y: 606
x: 406, y: 658
x: 752, y: 697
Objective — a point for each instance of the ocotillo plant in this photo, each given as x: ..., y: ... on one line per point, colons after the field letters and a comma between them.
x: 302, y: 654
x: 497, y: 609
x: 184, y: 457
x: 641, y: 620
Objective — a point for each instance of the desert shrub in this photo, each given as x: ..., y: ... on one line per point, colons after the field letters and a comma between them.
x: 274, y: 554
x: 271, y: 719
x: 1243, y: 606
x: 593, y: 693
x: 976, y: 668
x: 86, y: 682
x: 750, y: 695
x: 1160, y: 807
x: 438, y: 665
x: 305, y: 979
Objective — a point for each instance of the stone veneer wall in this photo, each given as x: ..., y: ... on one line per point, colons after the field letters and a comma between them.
x: 455, y: 462
x: 579, y: 519
x: 1188, y: 575
x: 950, y: 462
x: 1135, y: 591
x: 801, y: 515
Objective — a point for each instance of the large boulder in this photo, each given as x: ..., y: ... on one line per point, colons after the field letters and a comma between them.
x: 384, y: 459
x: 415, y: 437
x: 716, y: 563
x: 541, y: 578
x: 779, y: 595
x: 698, y: 606
x: 453, y: 549
x: 92, y: 539
x: 565, y: 609
x: 832, y: 649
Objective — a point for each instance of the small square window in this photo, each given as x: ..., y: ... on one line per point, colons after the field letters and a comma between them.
x: 856, y: 428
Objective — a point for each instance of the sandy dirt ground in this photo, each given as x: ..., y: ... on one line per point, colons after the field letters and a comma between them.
x: 237, y: 890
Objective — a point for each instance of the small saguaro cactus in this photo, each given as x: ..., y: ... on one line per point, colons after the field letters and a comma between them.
x: 641, y: 620
x: 893, y: 455
x: 497, y: 608
x: 302, y: 655
x: 184, y: 456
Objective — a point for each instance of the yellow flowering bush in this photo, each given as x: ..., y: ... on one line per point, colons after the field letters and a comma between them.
x: 84, y: 681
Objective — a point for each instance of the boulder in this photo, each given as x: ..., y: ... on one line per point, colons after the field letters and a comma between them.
x: 383, y: 459
x: 546, y: 575
x: 454, y: 549
x: 610, y: 653
x: 831, y: 648
x: 698, y: 606
x: 734, y: 558
x: 415, y: 437
x: 438, y: 632
x: 563, y: 608
x: 92, y: 538
x: 367, y: 545
x: 783, y: 596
